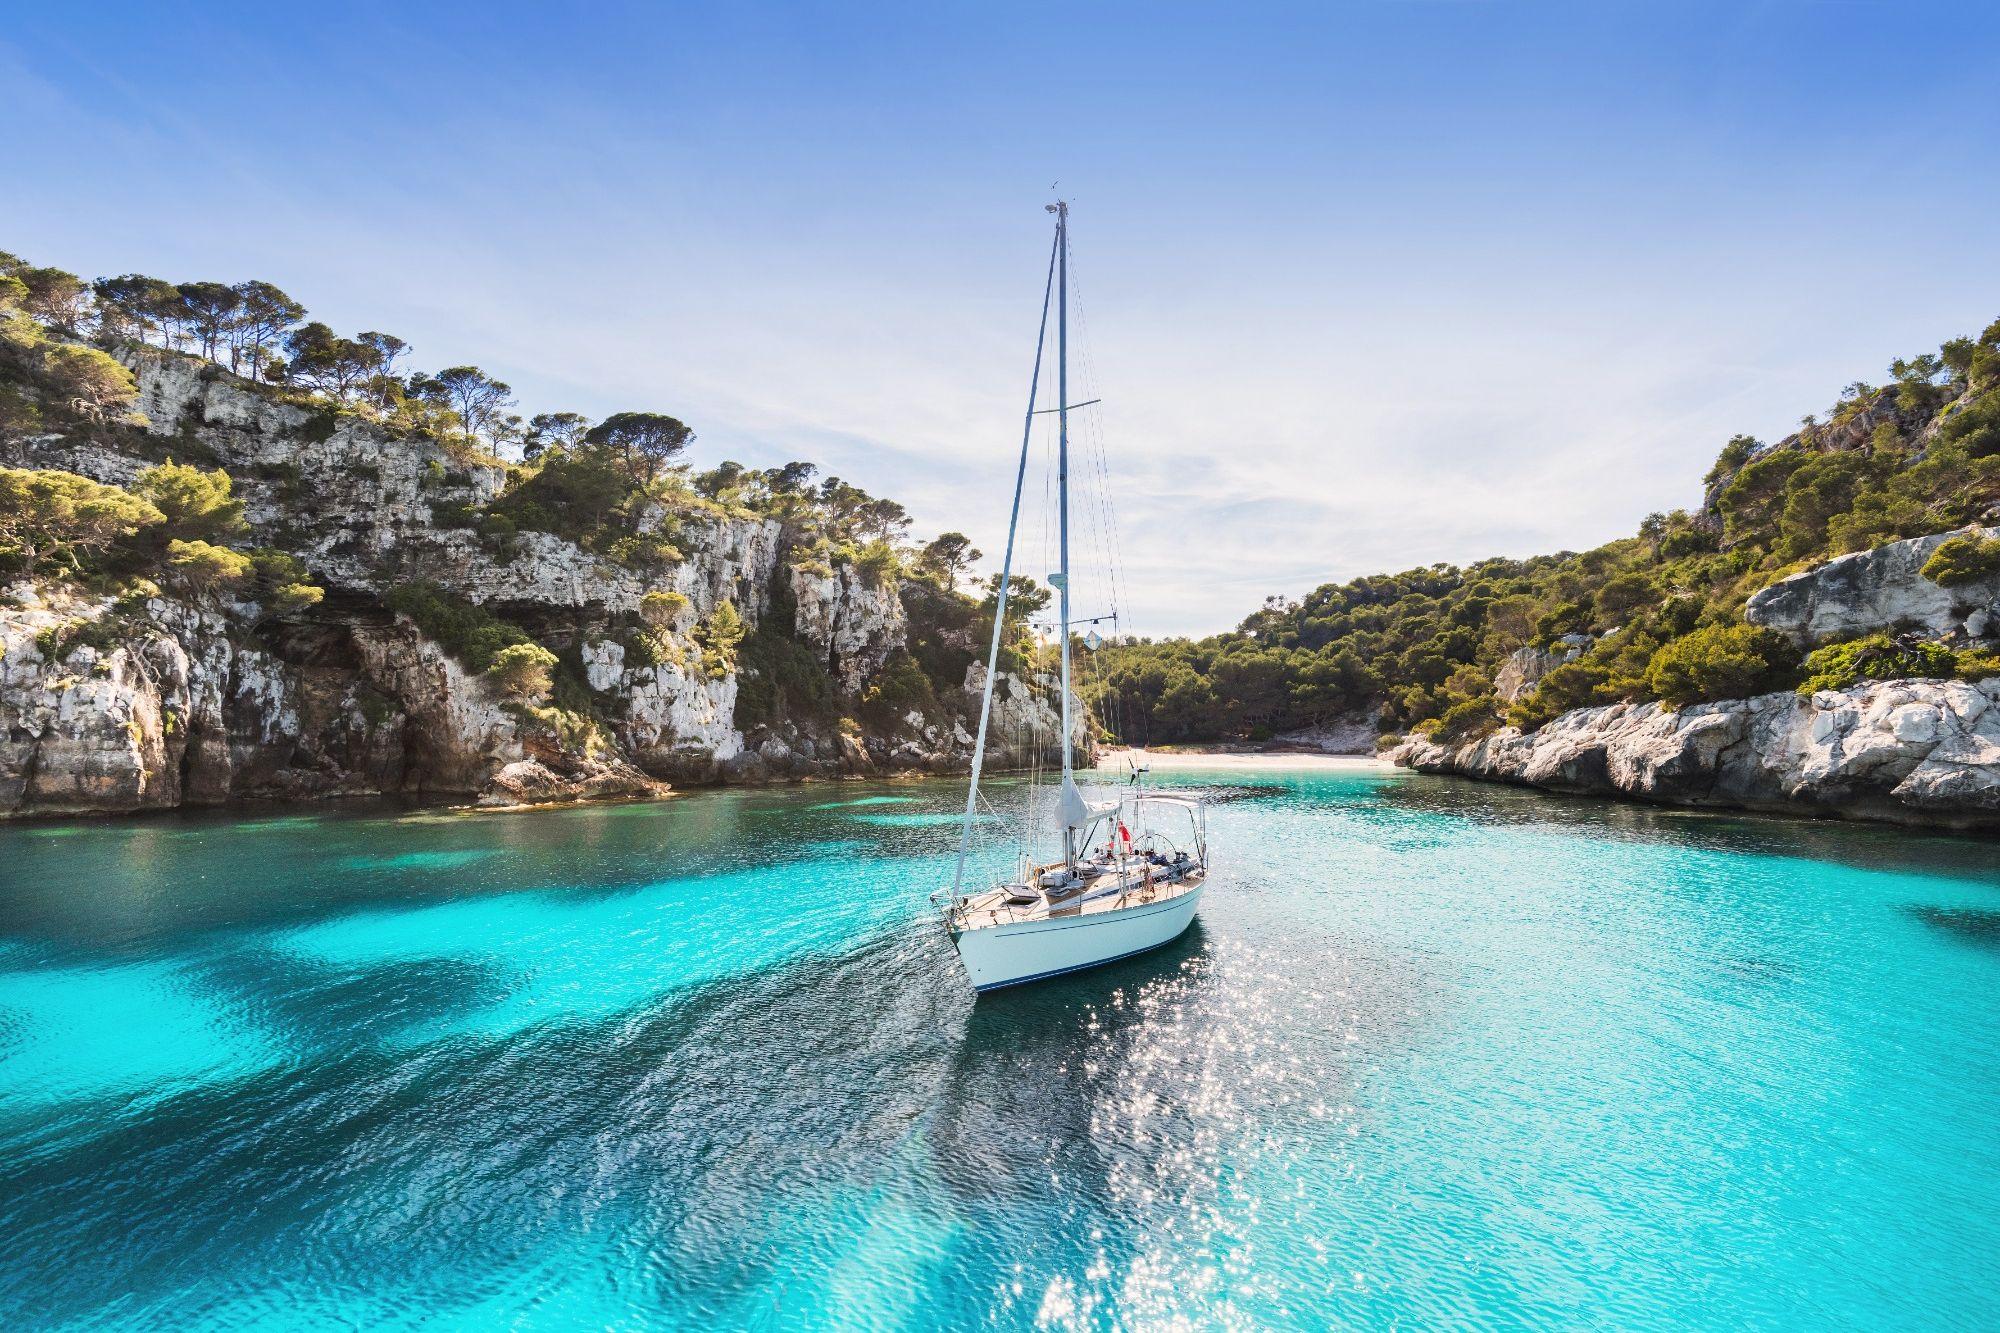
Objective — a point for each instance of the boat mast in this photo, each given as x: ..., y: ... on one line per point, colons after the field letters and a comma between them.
x: 1006, y: 574
x: 1062, y: 489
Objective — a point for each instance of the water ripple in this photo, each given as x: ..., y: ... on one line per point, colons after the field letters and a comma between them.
x: 1434, y: 1055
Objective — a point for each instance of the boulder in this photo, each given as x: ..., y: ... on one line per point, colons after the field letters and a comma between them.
x: 1522, y: 670
x: 1878, y: 590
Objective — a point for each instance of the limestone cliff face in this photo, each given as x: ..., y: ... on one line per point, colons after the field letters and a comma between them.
x: 1906, y: 751
x: 174, y: 709
x: 172, y: 703
x: 1882, y: 589
x: 856, y: 624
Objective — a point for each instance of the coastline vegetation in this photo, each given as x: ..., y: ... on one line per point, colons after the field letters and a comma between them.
x: 1655, y: 616
x: 620, y: 488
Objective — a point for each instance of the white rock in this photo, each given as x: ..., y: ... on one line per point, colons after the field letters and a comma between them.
x: 1912, y: 751
x: 1869, y: 591
x: 604, y: 664
x: 1915, y: 723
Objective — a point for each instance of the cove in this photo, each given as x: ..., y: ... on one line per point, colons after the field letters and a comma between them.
x: 1435, y: 1052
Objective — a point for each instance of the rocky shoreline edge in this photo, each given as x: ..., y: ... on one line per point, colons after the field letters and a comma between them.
x: 1923, y: 753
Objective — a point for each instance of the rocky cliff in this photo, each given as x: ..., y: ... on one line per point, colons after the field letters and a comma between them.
x: 1907, y: 751
x: 1880, y: 590
x: 155, y: 700
x: 1910, y: 751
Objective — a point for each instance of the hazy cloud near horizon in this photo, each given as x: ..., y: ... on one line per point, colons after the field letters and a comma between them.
x: 1362, y: 288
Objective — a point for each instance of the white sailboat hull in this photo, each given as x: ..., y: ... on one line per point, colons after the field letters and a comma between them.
x: 1009, y: 955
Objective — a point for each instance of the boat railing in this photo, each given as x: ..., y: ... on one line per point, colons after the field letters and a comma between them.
x: 1140, y: 875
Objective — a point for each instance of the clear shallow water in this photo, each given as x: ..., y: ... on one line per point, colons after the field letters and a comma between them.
x: 1434, y: 1054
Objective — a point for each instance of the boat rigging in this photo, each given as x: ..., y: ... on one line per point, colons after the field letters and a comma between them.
x: 1141, y: 887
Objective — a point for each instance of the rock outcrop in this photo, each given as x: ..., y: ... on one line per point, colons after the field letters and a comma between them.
x: 1355, y: 733
x: 1908, y: 751
x: 194, y: 701
x: 856, y: 623
x: 165, y: 706
x: 1882, y: 589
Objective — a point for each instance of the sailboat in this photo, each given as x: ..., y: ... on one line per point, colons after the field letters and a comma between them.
x: 1129, y: 873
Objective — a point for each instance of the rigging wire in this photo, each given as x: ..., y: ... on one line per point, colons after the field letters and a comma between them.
x: 1039, y: 742
x: 1106, y: 515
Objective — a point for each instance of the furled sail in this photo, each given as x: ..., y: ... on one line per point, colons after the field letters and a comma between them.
x: 1078, y: 811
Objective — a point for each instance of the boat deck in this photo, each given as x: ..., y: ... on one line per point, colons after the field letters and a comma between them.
x: 1113, y: 891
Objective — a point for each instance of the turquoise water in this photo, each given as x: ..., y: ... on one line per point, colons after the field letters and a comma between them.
x: 1435, y: 1054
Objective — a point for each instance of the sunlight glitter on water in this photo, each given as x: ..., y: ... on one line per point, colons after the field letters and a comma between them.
x: 1433, y: 1055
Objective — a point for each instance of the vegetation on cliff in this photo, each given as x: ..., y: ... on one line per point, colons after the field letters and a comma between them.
x: 1655, y: 616
x: 621, y: 489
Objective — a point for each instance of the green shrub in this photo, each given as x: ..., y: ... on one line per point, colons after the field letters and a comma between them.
x: 1687, y: 541
x: 1976, y: 427
x: 63, y: 521
x: 1469, y: 719
x: 583, y: 497
x: 202, y: 567
x: 88, y: 382
x: 899, y: 689
x: 195, y: 505
x: 878, y: 563
x: 781, y: 678
x: 523, y: 670
x: 1838, y: 666
x: 1755, y: 496
x: 320, y: 425
x: 454, y: 514
x: 940, y: 629
x: 18, y: 416
x: 1578, y: 684
x: 287, y: 477
x: 1733, y: 456
x: 1624, y: 594
x: 643, y: 551
x: 279, y: 582
x: 719, y: 637
x: 662, y: 609
x: 573, y: 731
x: 1566, y: 618
x: 1978, y: 664
x: 642, y: 649
x: 1720, y: 662
x: 57, y: 642
x: 134, y: 595
x: 471, y: 634
x: 1963, y: 560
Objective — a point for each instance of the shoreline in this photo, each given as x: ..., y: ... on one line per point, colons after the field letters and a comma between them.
x: 1242, y: 759
x: 469, y: 804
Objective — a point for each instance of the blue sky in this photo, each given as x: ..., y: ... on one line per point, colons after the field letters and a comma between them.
x: 1365, y: 285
